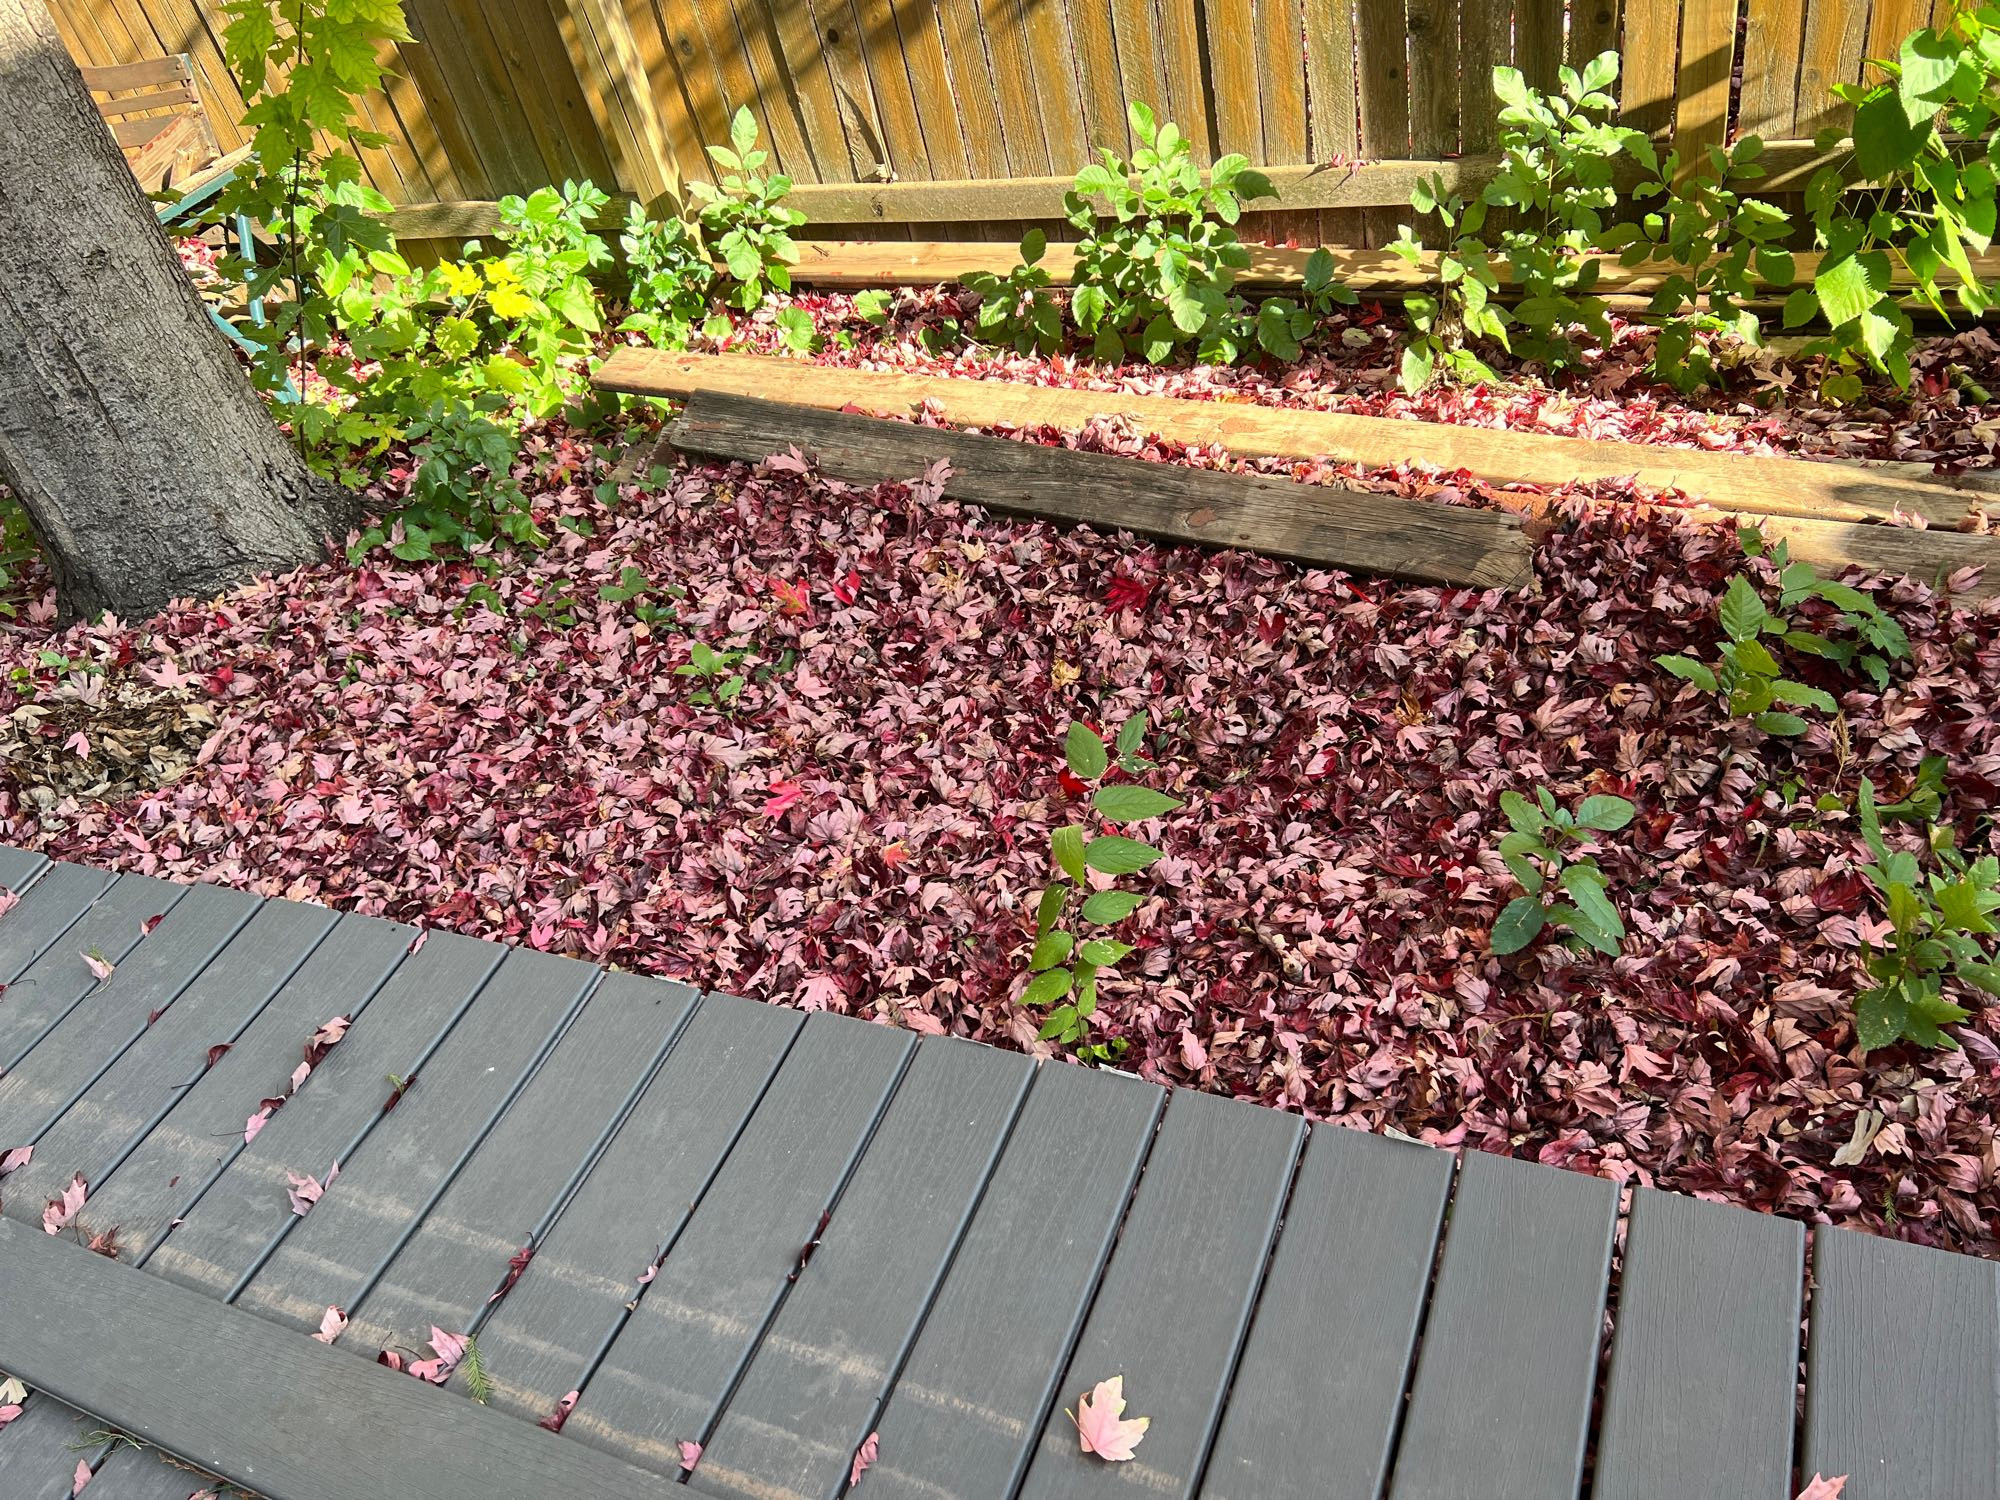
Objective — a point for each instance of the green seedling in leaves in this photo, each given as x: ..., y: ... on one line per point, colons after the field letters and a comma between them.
x: 1017, y: 309
x: 722, y: 684
x: 1282, y: 325
x: 744, y: 218
x: 1882, y: 640
x: 635, y: 588
x: 1065, y: 965
x: 1745, y: 675
x: 1939, y: 920
x: 1464, y: 307
x: 1559, y: 885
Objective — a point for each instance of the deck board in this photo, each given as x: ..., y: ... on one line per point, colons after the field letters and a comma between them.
x: 540, y: 1340
x: 810, y: 1395
x: 20, y: 868
x: 701, y: 1318
x: 40, y: 1449
x: 1504, y: 1382
x: 44, y: 913
x: 116, y: 1014
x: 453, y: 1264
x: 269, y: 1410
x: 332, y: 1253
x: 55, y: 984
x: 144, y: 1474
x: 1177, y: 1296
x: 247, y: 1207
x: 1902, y: 1361
x: 160, y: 1178
x: 138, y: 1090
x: 964, y: 1414
x: 1700, y: 1396
x: 1336, y: 1325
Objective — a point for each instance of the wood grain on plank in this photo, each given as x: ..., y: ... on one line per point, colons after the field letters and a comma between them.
x: 1708, y: 56
x: 46, y: 910
x: 514, y: 1182
x: 1831, y: 52
x: 1902, y: 1370
x: 1509, y: 1360
x: 142, y: 1086
x: 157, y: 1179
x: 1649, y: 80
x: 1704, y: 1367
x: 1315, y: 523
x: 1196, y: 1241
x: 811, y: 1393
x: 1808, y: 489
x: 40, y: 1449
x: 702, y: 1316
x: 121, y: 1011
x: 1538, y: 46
x: 539, y: 1342
x: 19, y: 868
x: 57, y: 982
x: 285, y: 1415
x: 1334, y: 108
x: 1773, y: 45
x: 1336, y: 1324
x: 402, y: 1164
x: 968, y: 1407
x: 1435, y: 104
x: 248, y: 1206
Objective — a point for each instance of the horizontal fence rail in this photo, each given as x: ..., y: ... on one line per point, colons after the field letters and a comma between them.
x: 957, y: 114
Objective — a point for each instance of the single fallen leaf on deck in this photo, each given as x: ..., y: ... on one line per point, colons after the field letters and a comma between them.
x: 516, y: 1264
x: 61, y: 1210
x: 417, y: 942
x: 12, y: 1392
x: 555, y: 1419
x: 16, y: 1159
x: 332, y: 1031
x: 449, y: 1349
x: 331, y: 1325
x: 8, y: 1412
x: 254, y: 1124
x: 1823, y: 1489
x: 82, y: 1476
x: 864, y: 1456
x: 104, y: 1243
x: 690, y: 1456
x: 217, y: 1053
x: 101, y: 966
x: 8, y: 900
x: 304, y: 1191
x: 146, y: 927
x: 1099, y: 1426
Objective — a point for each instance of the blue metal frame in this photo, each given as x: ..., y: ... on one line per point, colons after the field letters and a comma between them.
x: 185, y: 207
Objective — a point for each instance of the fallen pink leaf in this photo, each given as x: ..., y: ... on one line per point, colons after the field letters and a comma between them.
x: 304, y: 1192
x: 254, y: 1124
x: 331, y: 1324
x: 61, y: 1210
x: 1099, y: 1425
x: 13, y: 1161
x: 146, y: 927
x: 555, y: 1419
x: 8, y: 1413
x: 8, y: 900
x: 99, y: 965
x: 864, y: 1456
x: 690, y: 1455
x: 1823, y: 1489
x: 82, y: 1477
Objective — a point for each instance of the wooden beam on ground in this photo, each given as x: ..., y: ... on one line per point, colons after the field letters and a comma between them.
x: 1338, y: 527
x: 1824, y: 501
x: 273, y: 1410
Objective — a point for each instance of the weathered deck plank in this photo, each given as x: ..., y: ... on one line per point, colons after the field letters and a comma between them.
x: 115, y: 1015
x: 138, y: 1091
x: 270, y: 1410
x: 54, y: 984
x: 1336, y: 1325
x: 964, y: 1414
x: 145, y: 1474
x: 514, y: 1182
x: 333, y: 1253
x: 1503, y: 1387
x: 247, y: 1208
x: 811, y: 1393
x: 1903, y: 1370
x: 701, y: 1318
x: 40, y: 1449
x: 1196, y: 1242
x: 44, y: 913
x: 540, y: 1341
x: 20, y: 868
x: 159, y: 1178
x: 1700, y: 1397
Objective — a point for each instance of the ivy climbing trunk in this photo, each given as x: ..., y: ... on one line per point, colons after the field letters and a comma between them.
x: 148, y: 466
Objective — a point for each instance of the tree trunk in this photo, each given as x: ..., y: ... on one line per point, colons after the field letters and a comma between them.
x: 148, y: 466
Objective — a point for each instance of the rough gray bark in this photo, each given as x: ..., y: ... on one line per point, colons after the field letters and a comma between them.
x: 148, y: 466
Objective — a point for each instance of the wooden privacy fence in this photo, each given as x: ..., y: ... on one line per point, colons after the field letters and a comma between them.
x: 956, y: 113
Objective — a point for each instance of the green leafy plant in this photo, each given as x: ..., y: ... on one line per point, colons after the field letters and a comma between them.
x: 1465, y: 305
x: 1938, y: 920
x: 1281, y: 324
x: 1559, y: 885
x: 1720, y: 243
x: 744, y: 217
x: 721, y: 683
x: 671, y: 277
x: 1924, y: 145
x: 1748, y: 678
x: 1065, y: 966
x: 1018, y: 309
x: 541, y: 290
x: 1156, y: 276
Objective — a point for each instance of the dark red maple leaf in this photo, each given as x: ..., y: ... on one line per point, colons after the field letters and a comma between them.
x: 1127, y: 593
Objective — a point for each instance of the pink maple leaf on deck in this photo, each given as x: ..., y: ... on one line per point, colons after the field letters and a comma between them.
x: 83, y: 1476
x: 8, y: 1413
x: 781, y: 795
x: 305, y: 1191
x: 13, y: 1161
x: 449, y: 1349
x: 254, y: 1124
x: 690, y: 1456
x: 555, y: 1419
x: 61, y: 1210
x: 331, y: 1032
x: 8, y: 900
x: 331, y: 1325
x: 864, y: 1457
x: 1100, y: 1426
x: 101, y: 966
x: 1823, y: 1489
x: 146, y: 927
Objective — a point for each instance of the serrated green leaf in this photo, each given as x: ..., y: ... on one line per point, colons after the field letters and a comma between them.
x: 1132, y: 804
x: 1102, y: 953
x: 1784, y: 726
x: 1879, y: 1016
x: 1743, y: 613
x: 1054, y: 948
x: 1047, y: 987
x: 1066, y: 846
x: 1085, y: 752
x: 1102, y: 908
x: 1060, y: 1020
x: 1604, y: 813
x: 1049, y: 908
x: 1798, y: 695
x: 1522, y: 814
x: 1688, y: 670
x: 1112, y: 854
x: 1518, y: 924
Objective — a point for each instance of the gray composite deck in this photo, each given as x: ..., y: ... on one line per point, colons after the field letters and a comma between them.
x: 1300, y: 1309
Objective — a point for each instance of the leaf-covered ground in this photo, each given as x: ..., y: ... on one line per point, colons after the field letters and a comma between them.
x: 866, y: 828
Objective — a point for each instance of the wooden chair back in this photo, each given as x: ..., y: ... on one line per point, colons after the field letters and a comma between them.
x: 155, y: 113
